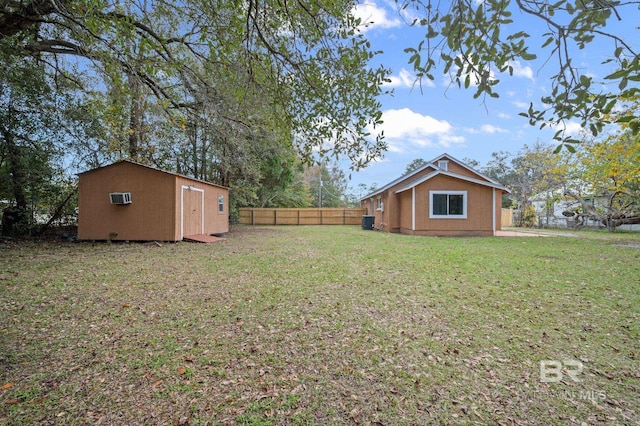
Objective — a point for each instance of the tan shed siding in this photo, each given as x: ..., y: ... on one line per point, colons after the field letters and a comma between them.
x: 479, y: 207
x: 221, y: 223
x: 148, y: 217
x: 214, y: 222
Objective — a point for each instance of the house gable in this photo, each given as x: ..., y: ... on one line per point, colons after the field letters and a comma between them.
x: 455, y: 167
x: 453, y: 175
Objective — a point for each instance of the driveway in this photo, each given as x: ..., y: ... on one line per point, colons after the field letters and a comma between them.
x: 525, y: 232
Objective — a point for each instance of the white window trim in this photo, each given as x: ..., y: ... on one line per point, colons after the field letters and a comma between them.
x: 220, y: 203
x: 448, y: 216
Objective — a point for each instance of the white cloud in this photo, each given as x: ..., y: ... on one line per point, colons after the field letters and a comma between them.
x: 407, y: 79
x: 521, y: 105
x: 448, y: 140
x: 504, y: 115
x: 405, y: 129
x: 490, y: 129
x: 374, y: 16
x: 487, y: 129
x: 521, y: 71
x: 571, y: 128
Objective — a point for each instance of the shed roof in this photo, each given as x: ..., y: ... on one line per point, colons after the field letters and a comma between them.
x: 154, y: 169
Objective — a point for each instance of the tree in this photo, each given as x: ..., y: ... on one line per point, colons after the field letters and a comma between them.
x: 327, y: 185
x: 475, y: 41
x: 415, y: 165
x: 499, y: 169
x: 362, y: 190
x: 33, y: 123
x: 535, y: 169
x: 608, y: 188
x: 307, y: 60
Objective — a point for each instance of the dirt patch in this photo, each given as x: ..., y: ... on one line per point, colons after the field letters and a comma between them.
x: 521, y: 234
x: 248, y: 230
x: 632, y: 245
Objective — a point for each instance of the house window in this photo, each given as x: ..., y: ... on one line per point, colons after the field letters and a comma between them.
x: 448, y: 204
x: 379, y: 203
x: 220, y: 203
x: 443, y: 164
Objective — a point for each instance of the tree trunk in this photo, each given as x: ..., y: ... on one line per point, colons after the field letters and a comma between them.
x: 58, y: 211
x: 135, y: 117
x: 611, y: 220
x: 15, y: 219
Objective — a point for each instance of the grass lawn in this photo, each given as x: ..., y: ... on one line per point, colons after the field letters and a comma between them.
x: 322, y: 326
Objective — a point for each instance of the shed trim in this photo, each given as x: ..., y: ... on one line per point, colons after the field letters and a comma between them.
x: 190, y: 188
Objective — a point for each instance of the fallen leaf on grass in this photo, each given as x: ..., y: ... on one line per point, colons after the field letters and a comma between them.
x: 182, y: 370
x: 6, y: 386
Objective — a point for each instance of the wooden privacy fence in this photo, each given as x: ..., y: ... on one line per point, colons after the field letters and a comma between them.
x: 507, y: 217
x: 324, y: 216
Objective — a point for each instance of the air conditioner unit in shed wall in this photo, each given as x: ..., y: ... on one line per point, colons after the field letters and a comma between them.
x: 120, y: 197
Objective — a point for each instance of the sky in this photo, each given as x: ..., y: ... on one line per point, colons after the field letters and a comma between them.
x: 438, y: 117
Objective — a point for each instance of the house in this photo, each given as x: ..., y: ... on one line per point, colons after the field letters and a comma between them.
x: 445, y: 197
x: 131, y: 201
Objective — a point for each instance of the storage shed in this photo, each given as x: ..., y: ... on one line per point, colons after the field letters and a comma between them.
x: 131, y: 201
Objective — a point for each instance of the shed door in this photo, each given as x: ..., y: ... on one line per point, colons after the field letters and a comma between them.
x: 192, y: 211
